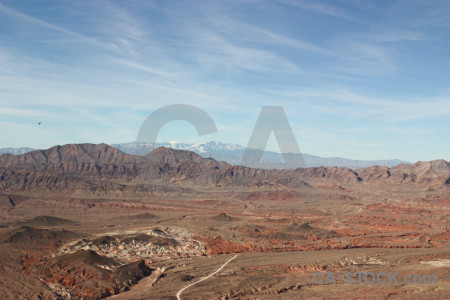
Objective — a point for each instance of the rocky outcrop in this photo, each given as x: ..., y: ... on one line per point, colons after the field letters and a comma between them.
x: 436, y: 172
x: 29, y: 235
x: 85, y: 274
x: 150, y: 244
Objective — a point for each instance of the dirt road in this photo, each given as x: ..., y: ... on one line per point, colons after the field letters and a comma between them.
x: 206, y: 277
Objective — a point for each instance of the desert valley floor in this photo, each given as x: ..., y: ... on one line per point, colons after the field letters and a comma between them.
x: 90, y: 222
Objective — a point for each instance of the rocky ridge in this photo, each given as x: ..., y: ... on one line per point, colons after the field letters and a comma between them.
x: 101, y: 168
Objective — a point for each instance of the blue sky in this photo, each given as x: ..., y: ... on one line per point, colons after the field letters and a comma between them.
x: 357, y: 79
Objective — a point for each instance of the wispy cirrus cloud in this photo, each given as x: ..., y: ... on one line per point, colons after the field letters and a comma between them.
x: 246, y: 33
x: 395, y: 35
x: 321, y: 8
x: 420, y: 13
x: 40, y: 23
x: 344, y: 102
x: 97, y: 69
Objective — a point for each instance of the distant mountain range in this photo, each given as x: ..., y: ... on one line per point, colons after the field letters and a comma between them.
x: 89, y: 169
x: 15, y: 151
x: 232, y: 154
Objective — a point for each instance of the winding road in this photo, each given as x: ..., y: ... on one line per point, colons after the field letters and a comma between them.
x: 206, y: 277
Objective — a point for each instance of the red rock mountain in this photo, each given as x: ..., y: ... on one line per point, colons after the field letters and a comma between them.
x: 90, y: 168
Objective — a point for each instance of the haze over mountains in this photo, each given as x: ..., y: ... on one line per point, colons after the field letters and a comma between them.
x: 232, y: 154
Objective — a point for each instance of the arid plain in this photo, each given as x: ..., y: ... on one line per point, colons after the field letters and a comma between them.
x: 90, y: 222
